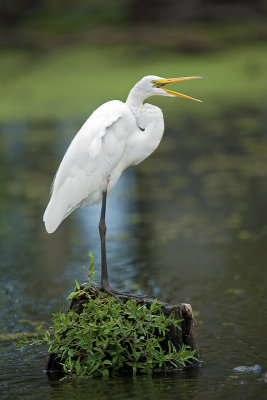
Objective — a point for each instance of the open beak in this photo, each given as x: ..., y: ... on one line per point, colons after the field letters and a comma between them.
x: 162, y: 82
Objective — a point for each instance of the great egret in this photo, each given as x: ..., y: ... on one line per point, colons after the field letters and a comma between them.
x: 116, y: 136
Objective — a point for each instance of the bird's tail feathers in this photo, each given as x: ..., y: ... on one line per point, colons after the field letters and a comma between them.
x: 55, y: 213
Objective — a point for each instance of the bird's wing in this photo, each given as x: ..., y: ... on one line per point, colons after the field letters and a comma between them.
x: 94, y: 152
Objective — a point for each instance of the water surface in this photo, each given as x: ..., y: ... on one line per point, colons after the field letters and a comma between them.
x: 188, y: 224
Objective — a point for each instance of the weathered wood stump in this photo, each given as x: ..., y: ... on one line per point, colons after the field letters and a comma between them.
x: 187, y: 335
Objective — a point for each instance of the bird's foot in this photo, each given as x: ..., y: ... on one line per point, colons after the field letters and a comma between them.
x: 121, y: 294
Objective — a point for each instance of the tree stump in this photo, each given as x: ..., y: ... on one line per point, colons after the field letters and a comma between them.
x: 187, y: 335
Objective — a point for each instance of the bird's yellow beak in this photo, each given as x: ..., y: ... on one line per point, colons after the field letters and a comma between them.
x: 162, y: 82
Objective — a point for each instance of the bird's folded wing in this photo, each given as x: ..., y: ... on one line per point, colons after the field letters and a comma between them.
x: 90, y: 158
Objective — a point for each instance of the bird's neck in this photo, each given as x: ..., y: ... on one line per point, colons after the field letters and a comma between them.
x: 136, y: 99
x: 149, y: 120
x: 146, y: 115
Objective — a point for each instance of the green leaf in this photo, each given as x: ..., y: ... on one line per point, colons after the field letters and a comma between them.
x: 107, y: 362
x: 72, y: 295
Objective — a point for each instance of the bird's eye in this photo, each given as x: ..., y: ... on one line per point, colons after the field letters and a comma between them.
x: 157, y: 85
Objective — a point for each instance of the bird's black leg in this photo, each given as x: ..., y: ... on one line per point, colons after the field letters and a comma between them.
x: 102, y: 232
x: 104, y: 271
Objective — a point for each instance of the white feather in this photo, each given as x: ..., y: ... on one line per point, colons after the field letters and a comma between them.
x: 84, y: 171
x: 95, y: 147
x: 108, y: 142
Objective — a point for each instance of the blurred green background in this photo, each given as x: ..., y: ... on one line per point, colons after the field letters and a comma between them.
x: 62, y: 58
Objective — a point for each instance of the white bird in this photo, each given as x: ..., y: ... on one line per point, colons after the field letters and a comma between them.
x: 116, y: 136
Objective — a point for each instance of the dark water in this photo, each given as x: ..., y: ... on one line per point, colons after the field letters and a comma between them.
x: 188, y: 224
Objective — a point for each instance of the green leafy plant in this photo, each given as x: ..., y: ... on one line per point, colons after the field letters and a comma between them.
x: 78, y: 291
x: 109, y: 336
x: 91, y: 271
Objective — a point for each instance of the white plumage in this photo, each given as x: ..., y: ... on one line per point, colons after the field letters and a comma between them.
x: 114, y: 137
x: 88, y: 162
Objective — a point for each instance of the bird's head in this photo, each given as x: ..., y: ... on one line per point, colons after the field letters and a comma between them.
x: 155, y: 86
